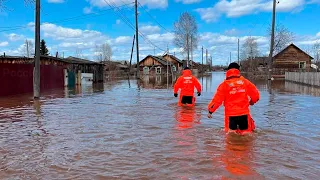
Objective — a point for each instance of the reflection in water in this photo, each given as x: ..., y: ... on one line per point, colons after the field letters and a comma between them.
x: 121, y: 130
x: 157, y: 82
x: 187, y: 116
x: 238, y: 156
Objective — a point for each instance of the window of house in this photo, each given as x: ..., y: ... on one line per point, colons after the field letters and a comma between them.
x: 174, y: 69
x: 302, y: 65
x: 145, y: 70
x: 158, y: 70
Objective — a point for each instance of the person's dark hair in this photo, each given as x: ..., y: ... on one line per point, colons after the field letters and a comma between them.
x: 234, y: 66
x: 186, y: 68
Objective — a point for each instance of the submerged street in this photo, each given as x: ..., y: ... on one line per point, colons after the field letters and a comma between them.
x: 129, y: 130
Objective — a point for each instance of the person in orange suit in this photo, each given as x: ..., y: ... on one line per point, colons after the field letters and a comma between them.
x: 235, y: 92
x: 187, y: 82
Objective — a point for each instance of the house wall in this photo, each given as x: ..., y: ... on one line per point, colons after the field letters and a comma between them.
x: 173, y: 61
x: 18, y: 78
x: 290, y: 58
x: 152, y: 71
x: 149, y: 61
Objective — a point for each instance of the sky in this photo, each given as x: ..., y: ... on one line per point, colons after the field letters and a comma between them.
x: 73, y: 26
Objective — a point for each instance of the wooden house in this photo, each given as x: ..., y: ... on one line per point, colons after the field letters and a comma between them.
x: 292, y: 58
x: 156, y: 65
x: 175, y: 61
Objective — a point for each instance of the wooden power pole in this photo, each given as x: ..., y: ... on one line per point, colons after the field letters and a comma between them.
x: 272, y: 41
x: 137, y: 39
x: 202, y: 59
x: 36, y: 72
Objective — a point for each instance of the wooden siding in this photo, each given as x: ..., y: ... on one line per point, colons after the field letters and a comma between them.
x: 149, y: 61
x: 173, y: 61
x: 291, y: 57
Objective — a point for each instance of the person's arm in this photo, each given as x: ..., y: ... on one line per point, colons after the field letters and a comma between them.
x: 253, y: 93
x: 177, y: 86
x: 217, y: 100
x: 197, y: 85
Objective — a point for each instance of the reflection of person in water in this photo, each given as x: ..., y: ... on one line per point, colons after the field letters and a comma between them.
x: 187, y: 117
x: 238, y: 157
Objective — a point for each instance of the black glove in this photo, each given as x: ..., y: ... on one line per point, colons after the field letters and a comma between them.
x: 175, y: 95
x: 199, y: 94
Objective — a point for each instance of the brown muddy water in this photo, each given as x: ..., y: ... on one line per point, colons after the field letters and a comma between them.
x: 129, y: 130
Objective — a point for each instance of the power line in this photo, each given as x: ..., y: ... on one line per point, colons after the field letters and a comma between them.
x: 154, y: 19
x: 10, y: 28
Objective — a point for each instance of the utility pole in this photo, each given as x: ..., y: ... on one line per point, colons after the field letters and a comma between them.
x: 188, y: 50
x: 272, y: 40
x: 206, y: 56
x: 27, y: 44
x: 202, y: 59
x: 191, y: 52
x: 134, y: 37
x: 36, y: 73
x: 239, y: 51
x: 137, y: 39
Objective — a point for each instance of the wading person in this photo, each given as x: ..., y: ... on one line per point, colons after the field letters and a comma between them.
x: 237, y: 93
x: 186, y: 83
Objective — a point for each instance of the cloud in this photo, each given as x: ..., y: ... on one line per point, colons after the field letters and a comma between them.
x: 237, y: 8
x: 15, y: 37
x: 151, y: 4
x: 189, y: 1
x: 148, y: 29
x: 123, y: 40
x: 231, y: 32
x: 318, y: 35
x: 5, y: 43
x: 87, y: 10
x: 55, y: 1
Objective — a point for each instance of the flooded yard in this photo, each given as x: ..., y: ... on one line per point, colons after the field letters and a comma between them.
x: 129, y: 130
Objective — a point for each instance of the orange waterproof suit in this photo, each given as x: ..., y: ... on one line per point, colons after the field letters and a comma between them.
x: 235, y: 92
x: 187, y: 82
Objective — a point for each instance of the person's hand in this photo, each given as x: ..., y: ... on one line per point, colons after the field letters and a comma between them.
x: 175, y: 95
x: 199, y: 93
x: 209, y: 115
x: 251, y: 103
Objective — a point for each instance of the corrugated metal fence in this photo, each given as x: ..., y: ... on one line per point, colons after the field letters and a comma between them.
x: 308, y: 78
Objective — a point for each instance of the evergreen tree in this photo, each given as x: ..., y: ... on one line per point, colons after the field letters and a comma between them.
x: 43, y: 48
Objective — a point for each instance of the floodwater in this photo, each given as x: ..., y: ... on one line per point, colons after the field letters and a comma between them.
x: 129, y: 130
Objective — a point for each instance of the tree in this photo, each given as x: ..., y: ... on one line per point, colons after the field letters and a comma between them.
x: 78, y: 53
x: 43, y: 48
x: 249, y: 49
x: 316, y: 50
x: 282, y: 38
x: 103, y: 52
x: 28, y: 49
x: 186, y: 33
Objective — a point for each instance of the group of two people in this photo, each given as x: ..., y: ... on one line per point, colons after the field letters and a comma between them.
x: 235, y: 92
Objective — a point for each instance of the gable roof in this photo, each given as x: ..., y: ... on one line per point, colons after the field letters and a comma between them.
x: 160, y: 59
x: 174, y: 57
x: 292, y: 45
x: 80, y: 61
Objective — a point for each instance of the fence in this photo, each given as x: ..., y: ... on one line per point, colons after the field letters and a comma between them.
x: 308, y: 78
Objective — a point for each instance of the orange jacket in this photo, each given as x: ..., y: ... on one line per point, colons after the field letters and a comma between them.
x: 235, y: 92
x: 187, y: 83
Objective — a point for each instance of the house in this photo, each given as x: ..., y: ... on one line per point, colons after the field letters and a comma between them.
x: 175, y: 61
x: 292, y: 58
x: 156, y: 65
x: 54, y: 73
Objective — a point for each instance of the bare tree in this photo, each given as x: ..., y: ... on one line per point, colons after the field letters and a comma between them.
x: 103, y: 52
x: 316, y: 50
x: 186, y: 33
x: 78, y: 53
x: 282, y: 38
x: 249, y: 49
x: 28, y: 48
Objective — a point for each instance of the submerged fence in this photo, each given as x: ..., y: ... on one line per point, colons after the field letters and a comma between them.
x: 308, y: 78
